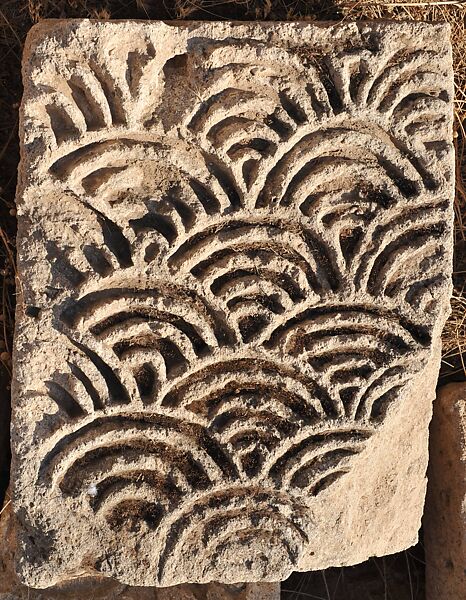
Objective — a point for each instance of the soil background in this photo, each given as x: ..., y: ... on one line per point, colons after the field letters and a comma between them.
x: 397, y: 577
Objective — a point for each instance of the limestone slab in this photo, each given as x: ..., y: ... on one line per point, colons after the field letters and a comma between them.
x: 103, y: 588
x: 235, y: 255
x: 445, y: 515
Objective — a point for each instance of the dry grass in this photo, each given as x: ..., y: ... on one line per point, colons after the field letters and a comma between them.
x: 454, y: 338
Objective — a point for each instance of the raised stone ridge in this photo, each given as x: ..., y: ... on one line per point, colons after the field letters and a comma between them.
x: 235, y: 254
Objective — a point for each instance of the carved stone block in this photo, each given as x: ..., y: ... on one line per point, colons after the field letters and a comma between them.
x: 234, y: 254
x: 445, y: 515
x: 103, y: 588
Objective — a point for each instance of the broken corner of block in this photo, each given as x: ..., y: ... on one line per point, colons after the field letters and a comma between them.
x: 235, y: 252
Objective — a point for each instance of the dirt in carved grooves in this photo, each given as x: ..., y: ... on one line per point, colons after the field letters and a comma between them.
x: 238, y: 260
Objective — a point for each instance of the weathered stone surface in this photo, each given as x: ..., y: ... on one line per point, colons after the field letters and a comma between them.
x: 445, y: 516
x: 235, y: 256
x: 103, y: 588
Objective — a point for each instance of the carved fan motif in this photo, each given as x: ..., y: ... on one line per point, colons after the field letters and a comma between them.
x: 250, y: 286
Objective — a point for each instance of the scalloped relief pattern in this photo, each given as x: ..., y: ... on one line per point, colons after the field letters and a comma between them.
x: 235, y: 254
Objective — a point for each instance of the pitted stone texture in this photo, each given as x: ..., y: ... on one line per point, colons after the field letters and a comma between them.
x: 445, y: 515
x: 235, y: 253
x: 103, y: 588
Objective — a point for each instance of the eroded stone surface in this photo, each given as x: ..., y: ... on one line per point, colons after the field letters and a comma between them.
x: 445, y: 517
x: 103, y: 588
x: 235, y: 256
